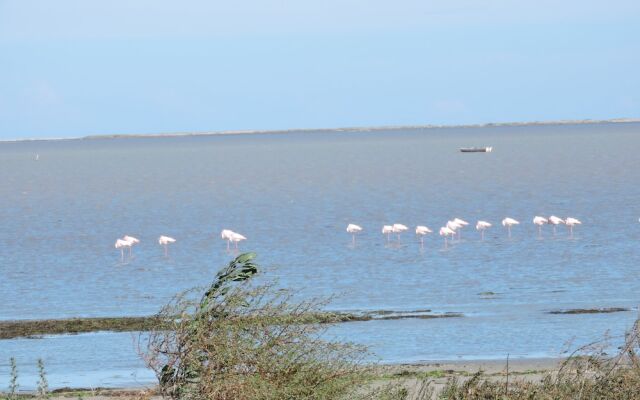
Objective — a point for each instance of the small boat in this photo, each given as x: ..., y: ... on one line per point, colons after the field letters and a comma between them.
x: 476, y: 149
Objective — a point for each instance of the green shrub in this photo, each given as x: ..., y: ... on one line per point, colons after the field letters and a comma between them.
x: 43, y: 384
x: 240, y: 341
x: 13, y: 383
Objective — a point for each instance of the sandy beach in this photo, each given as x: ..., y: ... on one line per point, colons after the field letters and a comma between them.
x: 408, y: 375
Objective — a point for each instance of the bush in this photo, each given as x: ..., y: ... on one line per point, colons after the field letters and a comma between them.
x: 240, y: 341
x: 589, y: 373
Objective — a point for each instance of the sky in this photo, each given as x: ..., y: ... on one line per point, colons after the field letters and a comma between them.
x: 72, y: 68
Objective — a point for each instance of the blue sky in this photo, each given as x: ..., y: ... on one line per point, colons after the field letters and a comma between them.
x: 74, y: 68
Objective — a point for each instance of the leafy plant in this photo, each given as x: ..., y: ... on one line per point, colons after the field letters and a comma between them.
x: 43, y: 385
x: 240, y: 341
x: 13, y: 383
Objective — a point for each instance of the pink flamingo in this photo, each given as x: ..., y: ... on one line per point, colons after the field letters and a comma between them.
x: 461, y: 224
x: 387, y: 230
x: 121, y: 244
x: 422, y: 230
x: 571, y: 222
x: 164, y: 242
x: 454, y: 226
x: 132, y: 241
x: 236, y: 237
x: 353, y: 229
x: 482, y: 226
x: 445, y: 231
x: 399, y: 228
x: 555, y: 221
x: 540, y: 221
x: 226, y: 235
x: 508, y: 223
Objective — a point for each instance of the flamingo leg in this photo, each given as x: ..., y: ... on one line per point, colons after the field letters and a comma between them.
x: 509, y: 230
x: 121, y: 254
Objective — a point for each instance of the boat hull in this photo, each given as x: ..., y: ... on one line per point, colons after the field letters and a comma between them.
x: 476, y: 149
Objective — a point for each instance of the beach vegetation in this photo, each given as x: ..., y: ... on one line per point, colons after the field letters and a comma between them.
x: 588, y: 373
x: 13, y: 382
x: 238, y: 340
x: 43, y: 384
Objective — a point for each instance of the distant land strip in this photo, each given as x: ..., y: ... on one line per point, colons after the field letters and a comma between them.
x: 34, y: 328
x: 608, y: 310
x: 329, y: 130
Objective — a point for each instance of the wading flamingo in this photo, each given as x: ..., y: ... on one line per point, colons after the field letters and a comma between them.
x: 132, y: 241
x: 454, y: 226
x: 398, y: 229
x: 422, y: 230
x: 540, y: 221
x: 164, y: 242
x: 121, y: 244
x: 481, y: 226
x: 236, y: 237
x: 555, y: 221
x: 387, y: 230
x: 444, y: 231
x: 226, y: 235
x: 508, y: 223
x: 570, y: 222
x: 461, y: 223
x: 353, y: 229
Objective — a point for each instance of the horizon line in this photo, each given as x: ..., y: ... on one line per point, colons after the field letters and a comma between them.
x: 335, y: 129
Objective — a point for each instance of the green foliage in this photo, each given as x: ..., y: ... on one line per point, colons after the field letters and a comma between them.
x: 240, y: 341
x: 13, y: 383
x: 43, y: 385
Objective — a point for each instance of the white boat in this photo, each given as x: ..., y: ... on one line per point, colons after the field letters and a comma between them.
x: 487, y: 149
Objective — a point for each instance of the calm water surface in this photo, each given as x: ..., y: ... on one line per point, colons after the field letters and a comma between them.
x: 292, y: 195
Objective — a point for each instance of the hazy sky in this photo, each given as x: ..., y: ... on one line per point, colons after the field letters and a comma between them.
x: 74, y: 68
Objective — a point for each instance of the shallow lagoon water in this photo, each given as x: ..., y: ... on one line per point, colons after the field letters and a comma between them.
x: 293, y: 194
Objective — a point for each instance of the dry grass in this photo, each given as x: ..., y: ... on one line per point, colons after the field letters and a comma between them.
x: 589, y: 373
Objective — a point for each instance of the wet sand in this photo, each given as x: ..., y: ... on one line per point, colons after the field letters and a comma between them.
x: 413, y: 376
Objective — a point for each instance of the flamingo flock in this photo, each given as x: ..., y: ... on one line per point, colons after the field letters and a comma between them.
x: 127, y: 242
x: 449, y: 231
x: 453, y: 228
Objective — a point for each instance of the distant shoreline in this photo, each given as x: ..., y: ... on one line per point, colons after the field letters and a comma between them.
x: 329, y: 130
